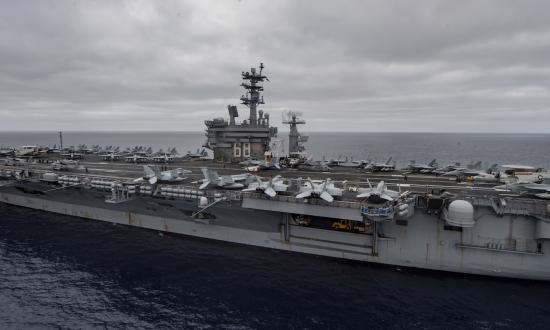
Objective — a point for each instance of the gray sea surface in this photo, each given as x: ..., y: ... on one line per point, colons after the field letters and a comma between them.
x: 64, y: 272
x: 528, y: 149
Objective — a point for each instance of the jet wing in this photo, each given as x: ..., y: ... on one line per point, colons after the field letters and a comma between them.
x: 366, y: 193
x: 270, y: 192
x: 234, y: 186
x: 305, y: 193
x: 538, y: 187
x: 226, y: 181
x: 239, y: 177
x: 326, y: 196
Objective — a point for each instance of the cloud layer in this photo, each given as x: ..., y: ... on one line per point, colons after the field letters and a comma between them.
x: 479, y: 66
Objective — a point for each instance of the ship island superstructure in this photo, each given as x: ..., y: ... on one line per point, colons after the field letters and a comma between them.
x: 234, y: 142
x: 396, y: 218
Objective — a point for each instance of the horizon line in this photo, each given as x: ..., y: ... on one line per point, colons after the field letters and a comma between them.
x: 305, y: 131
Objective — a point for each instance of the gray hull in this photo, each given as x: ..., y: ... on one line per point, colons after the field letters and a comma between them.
x: 498, y: 245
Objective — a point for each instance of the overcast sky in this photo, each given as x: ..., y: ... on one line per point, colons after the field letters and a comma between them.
x: 475, y: 66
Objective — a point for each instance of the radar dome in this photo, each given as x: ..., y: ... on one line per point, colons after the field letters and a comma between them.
x: 460, y: 214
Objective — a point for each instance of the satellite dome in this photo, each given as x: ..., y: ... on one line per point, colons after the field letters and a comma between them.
x: 460, y: 214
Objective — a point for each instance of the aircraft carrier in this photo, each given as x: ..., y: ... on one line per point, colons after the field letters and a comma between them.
x: 410, y: 218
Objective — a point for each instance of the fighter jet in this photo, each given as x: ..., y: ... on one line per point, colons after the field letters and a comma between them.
x: 97, y: 149
x: 268, y: 164
x: 270, y: 187
x: 65, y: 165
x: 200, y: 154
x: 72, y: 155
x: 449, y: 168
x: 163, y: 158
x: 489, y: 174
x: 388, y: 166
x: 335, y: 161
x: 361, y: 164
x: 6, y: 152
x: 313, y: 166
x: 110, y: 149
x: 379, y: 194
x: 153, y: 175
x: 173, y: 151
x: 236, y: 181
x: 325, y: 190
x: 83, y: 149
x: 538, y: 190
x: 139, y: 157
x: 26, y: 151
x: 263, y: 167
x: 422, y: 168
x: 111, y: 156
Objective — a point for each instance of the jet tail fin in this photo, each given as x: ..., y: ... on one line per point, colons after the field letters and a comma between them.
x: 389, y: 161
x: 432, y: 163
x: 209, y: 175
x: 205, y: 173
x: 148, y: 171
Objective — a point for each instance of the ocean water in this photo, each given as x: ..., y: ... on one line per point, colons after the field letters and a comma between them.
x: 528, y: 149
x: 64, y: 272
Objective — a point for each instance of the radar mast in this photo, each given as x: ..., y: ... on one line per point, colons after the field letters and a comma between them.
x: 295, y: 139
x: 252, y: 83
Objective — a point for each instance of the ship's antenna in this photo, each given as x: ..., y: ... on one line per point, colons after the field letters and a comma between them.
x: 295, y: 139
x: 252, y: 83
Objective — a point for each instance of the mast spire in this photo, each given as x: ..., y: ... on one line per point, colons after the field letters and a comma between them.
x: 252, y: 83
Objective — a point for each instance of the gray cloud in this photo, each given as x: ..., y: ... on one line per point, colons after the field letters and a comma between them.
x: 347, y: 65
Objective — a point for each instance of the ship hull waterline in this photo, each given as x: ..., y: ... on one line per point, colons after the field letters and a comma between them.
x: 341, y: 245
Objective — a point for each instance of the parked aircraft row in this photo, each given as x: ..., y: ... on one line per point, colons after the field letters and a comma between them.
x: 108, y: 153
x: 472, y: 171
x: 307, y: 188
x: 159, y: 157
x: 326, y: 189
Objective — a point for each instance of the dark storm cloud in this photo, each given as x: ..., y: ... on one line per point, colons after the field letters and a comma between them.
x: 347, y: 65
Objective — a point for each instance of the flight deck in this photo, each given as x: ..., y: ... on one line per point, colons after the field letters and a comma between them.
x: 348, y: 176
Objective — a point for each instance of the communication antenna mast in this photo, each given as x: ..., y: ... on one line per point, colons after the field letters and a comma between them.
x: 60, y: 140
x: 292, y: 118
x: 252, y: 82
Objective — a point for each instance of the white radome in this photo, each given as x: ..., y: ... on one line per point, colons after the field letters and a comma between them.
x: 460, y: 214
